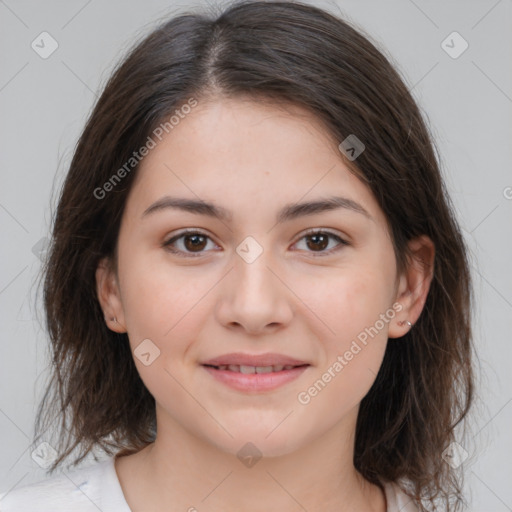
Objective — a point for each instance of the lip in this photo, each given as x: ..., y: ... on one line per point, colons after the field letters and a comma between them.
x: 267, y: 359
x: 256, y: 382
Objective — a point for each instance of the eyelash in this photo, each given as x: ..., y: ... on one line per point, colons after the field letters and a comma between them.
x: 168, y: 244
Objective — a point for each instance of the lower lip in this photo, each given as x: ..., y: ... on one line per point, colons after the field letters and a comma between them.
x: 255, y: 381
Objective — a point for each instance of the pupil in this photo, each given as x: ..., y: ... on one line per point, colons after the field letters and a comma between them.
x: 194, y: 244
x: 315, y: 238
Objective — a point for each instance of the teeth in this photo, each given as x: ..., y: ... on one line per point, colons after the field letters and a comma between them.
x: 267, y: 369
x: 255, y: 369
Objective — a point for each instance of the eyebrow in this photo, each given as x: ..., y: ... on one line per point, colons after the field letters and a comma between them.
x: 288, y: 212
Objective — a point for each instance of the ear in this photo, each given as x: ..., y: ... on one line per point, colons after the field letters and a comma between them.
x: 414, y: 284
x: 109, y: 296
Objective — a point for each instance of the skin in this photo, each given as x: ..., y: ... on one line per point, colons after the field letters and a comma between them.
x: 252, y: 158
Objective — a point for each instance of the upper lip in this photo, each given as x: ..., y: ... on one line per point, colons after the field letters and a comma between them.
x: 268, y: 359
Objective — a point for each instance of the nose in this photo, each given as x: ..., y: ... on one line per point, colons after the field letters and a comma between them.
x: 254, y: 297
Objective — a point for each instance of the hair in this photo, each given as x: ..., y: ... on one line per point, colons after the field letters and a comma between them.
x: 286, y: 53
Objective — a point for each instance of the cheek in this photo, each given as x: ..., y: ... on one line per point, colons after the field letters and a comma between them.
x: 351, y: 304
x: 353, y: 353
x: 348, y: 301
x: 157, y: 297
x: 164, y: 307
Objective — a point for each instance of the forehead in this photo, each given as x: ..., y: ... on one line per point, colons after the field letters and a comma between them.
x: 242, y: 152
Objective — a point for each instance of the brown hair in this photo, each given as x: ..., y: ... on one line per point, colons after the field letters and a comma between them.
x: 285, y: 52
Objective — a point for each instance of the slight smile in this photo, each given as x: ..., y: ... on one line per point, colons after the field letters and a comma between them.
x: 256, y: 373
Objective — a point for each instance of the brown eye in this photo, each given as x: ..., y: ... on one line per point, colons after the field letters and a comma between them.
x: 194, y: 242
x: 317, y: 242
x: 190, y: 243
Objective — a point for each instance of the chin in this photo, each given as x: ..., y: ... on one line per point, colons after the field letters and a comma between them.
x: 268, y: 437
x: 256, y: 445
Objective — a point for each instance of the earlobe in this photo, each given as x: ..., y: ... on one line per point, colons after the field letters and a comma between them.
x: 414, y: 285
x: 109, y: 297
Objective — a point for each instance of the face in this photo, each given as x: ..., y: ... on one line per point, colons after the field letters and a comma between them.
x: 314, y: 284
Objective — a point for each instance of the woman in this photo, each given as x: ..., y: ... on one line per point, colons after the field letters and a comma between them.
x: 257, y: 294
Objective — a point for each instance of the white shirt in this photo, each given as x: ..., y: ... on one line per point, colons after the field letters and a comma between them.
x: 97, y: 487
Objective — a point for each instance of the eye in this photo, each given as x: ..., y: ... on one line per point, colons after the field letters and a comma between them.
x: 318, y: 240
x: 192, y: 243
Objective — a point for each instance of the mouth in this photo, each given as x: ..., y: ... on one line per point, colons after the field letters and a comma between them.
x: 255, y: 379
x: 248, y: 370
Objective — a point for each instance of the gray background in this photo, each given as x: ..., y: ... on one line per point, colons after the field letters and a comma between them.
x: 467, y: 101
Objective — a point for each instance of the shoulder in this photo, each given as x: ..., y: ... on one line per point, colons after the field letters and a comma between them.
x: 80, y: 490
x: 397, y: 500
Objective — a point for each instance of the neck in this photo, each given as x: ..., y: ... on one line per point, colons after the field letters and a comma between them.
x: 179, y: 471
